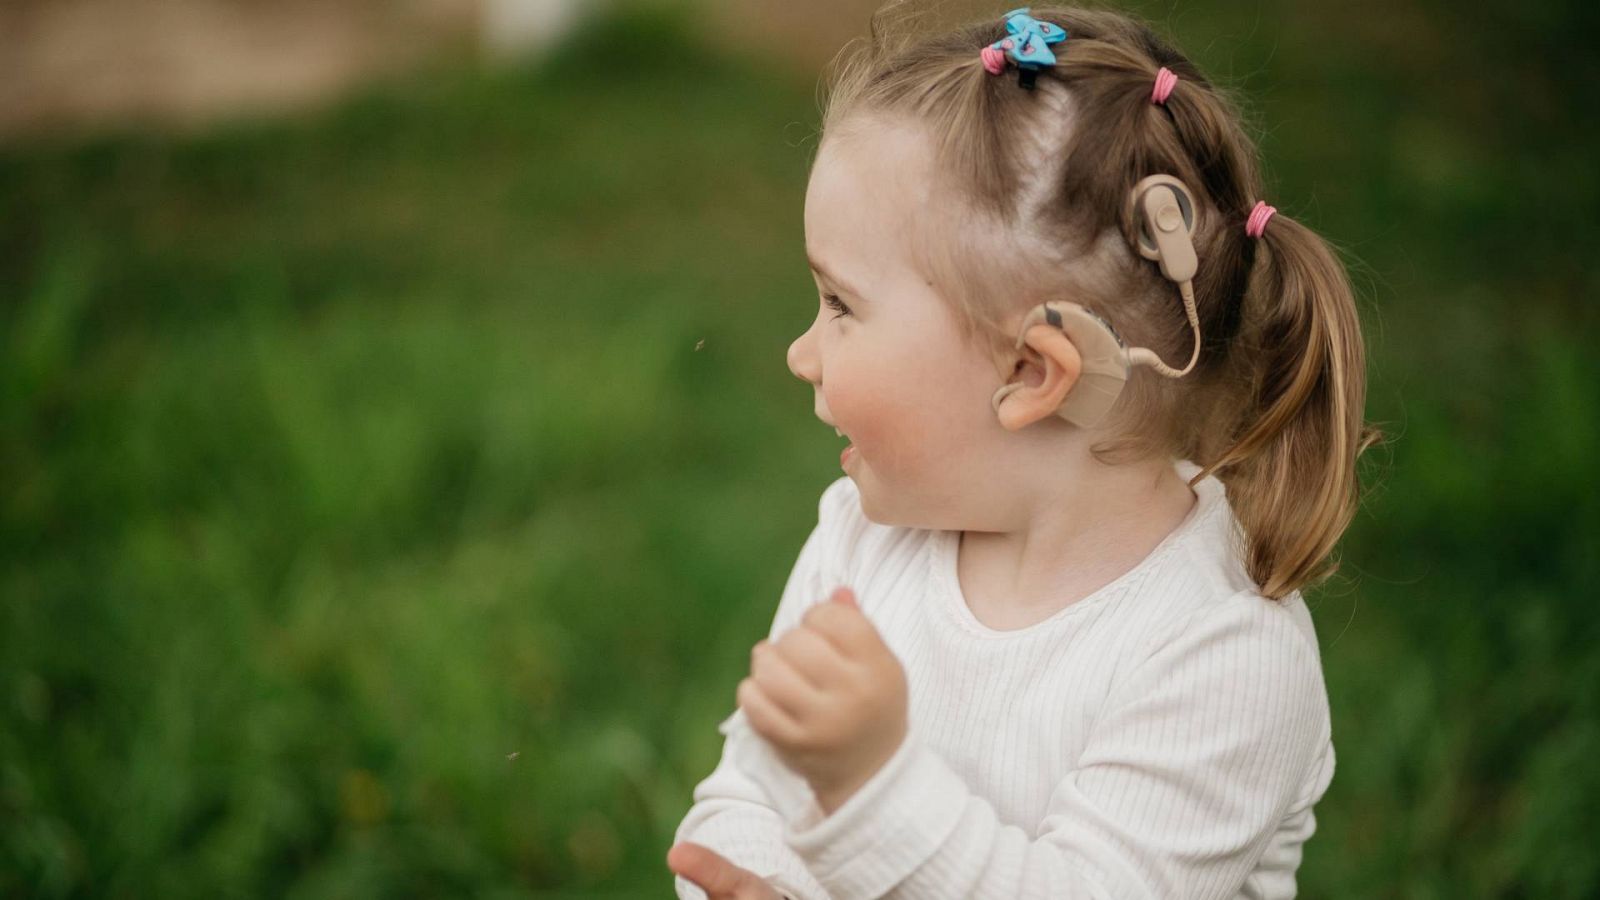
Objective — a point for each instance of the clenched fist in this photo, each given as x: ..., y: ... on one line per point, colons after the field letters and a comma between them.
x: 830, y: 697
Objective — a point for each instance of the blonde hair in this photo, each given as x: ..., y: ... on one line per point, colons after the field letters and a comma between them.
x: 1275, y: 405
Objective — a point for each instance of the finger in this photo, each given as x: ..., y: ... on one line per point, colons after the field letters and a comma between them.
x: 782, y: 682
x: 845, y: 626
x: 766, y: 717
x: 845, y: 595
x: 703, y: 866
x: 719, y: 878
x: 814, y: 656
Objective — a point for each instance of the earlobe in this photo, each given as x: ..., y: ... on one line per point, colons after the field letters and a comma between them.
x: 1033, y: 395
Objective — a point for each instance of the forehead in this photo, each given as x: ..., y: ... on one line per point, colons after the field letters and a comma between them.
x: 869, y: 187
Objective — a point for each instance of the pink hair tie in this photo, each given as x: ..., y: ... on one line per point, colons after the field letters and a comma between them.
x: 994, y: 61
x: 1165, y: 81
x: 1259, y: 214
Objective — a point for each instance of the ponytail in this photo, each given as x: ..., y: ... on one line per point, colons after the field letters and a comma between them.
x: 1290, y: 467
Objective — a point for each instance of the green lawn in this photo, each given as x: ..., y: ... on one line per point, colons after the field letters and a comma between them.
x: 391, y: 495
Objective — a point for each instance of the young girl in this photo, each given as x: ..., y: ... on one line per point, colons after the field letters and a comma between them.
x: 1047, y: 638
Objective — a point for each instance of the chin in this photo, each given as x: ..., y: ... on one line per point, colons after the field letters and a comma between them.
x: 869, y: 507
x: 877, y: 515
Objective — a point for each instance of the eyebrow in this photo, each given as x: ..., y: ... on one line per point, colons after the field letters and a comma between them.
x: 818, y: 268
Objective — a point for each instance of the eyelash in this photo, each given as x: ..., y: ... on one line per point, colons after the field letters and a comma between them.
x: 835, y: 303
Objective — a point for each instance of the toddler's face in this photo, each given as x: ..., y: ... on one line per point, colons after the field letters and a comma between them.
x: 894, y: 372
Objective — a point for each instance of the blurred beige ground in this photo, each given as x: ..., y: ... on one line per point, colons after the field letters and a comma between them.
x: 73, y: 64
x: 85, y: 65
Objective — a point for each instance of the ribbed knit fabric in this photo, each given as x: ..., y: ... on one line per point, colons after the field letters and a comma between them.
x: 1166, y: 736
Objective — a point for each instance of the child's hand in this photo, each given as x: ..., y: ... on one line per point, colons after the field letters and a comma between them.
x: 830, y: 697
x: 720, y: 879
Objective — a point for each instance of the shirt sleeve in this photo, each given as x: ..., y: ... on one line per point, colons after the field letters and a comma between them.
x: 735, y: 816
x: 1200, y: 752
x: 738, y: 808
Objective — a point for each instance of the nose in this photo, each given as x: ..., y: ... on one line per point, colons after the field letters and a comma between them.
x: 803, y: 361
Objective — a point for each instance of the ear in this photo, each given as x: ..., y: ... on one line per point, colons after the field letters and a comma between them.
x: 1048, y: 369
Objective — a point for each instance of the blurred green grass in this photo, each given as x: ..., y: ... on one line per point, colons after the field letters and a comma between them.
x: 392, y: 495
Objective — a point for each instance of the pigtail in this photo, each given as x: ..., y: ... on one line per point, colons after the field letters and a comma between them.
x: 1290, y: 468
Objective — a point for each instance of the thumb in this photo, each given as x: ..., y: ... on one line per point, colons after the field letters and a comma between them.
x: 720, y: 879
x: 844, y: 594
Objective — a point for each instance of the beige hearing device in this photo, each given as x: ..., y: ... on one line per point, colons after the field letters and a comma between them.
x: 1166, y: 216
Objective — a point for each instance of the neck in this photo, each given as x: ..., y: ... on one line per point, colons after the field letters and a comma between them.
x: 1060, y: 539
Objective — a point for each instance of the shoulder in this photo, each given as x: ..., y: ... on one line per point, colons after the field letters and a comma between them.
x: 831, y: 556
x: 1232, y: 693
x: 1201, y: 563
x: 855, y: 542
x: 1211, y: 607
x: 840, y: 520
x: 827, y: 557
x: 1244, y: 619
x: 1199, y: 639
x: 1254, y: 657
x: 839, y: 499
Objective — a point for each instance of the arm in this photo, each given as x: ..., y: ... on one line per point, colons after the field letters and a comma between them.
x: 737, y: 815
x: 737, y: 818
x: 1201, y: 750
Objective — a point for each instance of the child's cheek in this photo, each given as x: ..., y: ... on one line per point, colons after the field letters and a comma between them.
x: 887, y: 436
x: 857, y: 413
x: 843, y: 406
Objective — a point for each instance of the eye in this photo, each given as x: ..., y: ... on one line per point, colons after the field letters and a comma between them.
x: 834, y: 303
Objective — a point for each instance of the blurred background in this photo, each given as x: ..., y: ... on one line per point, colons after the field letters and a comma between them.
x: 399, y: 456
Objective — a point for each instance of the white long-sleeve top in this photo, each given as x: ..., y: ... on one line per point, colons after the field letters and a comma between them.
x: 1166, y: 736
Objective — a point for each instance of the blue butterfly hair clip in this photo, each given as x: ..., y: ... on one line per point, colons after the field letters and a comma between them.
x: 1028, y: 44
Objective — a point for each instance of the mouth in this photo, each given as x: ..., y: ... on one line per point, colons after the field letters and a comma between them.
x: 849, y: 452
